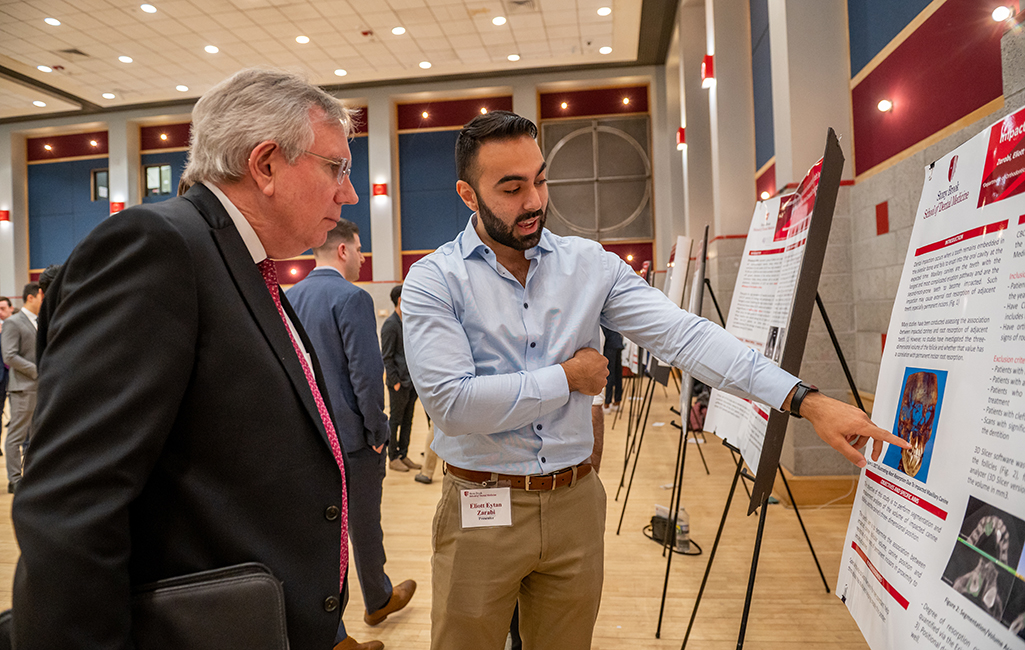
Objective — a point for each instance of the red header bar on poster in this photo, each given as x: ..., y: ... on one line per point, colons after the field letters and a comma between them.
x: 771, y: 251
x: 901, y: 600
x: 966, y: 235
x: 901, y: 492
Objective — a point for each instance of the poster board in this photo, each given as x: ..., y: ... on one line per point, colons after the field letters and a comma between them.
x: 694, y: 306
x: 933, y: 555
x: 772, y: 304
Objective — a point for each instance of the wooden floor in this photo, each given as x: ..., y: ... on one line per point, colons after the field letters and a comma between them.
x: 790, y: 610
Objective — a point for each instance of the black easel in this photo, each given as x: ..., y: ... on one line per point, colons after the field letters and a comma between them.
x: 763, y: 507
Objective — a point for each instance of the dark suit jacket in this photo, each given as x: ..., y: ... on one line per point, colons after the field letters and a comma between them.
x: 175, y: 432
x: 339, y: 318
x: 18, y: 342
x: 393, y: 352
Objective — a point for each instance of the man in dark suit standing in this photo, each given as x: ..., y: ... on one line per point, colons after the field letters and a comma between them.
x: 200, y: 438
x: 401, y: 393
x: 339, y: 318
x: 6, y: 309
x: 18, y: 342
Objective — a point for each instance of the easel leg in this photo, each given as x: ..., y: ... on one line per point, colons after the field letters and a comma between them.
x: 804, y: 530
x: 674, y: 509
x: 697, y: 443
x: 754, y: 570
x: 740, y: 461
x: 638, y: 435
x: 633, y: 472
x: 711, y: 556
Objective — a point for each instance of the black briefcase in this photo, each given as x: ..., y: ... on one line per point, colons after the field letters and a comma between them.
x: 240, y: 607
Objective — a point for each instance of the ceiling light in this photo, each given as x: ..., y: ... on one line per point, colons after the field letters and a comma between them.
x: 564, y: 105
x: 44, y: 68
x: 514, y: 57
x: 211, y: 49
x: 124, y: 59
x: 52, y: 21
x: 483, y: 110
x: 303, y: 40
x: 47, y: 147
x: 108, y: 95
x: 764, y: 195
x: 293, y: 271
x: 498, y: 20
x: 181, y: 88
x: 681, y: 138
x: 150, y: 9
x: 425, y: 64
x: 604, y: 11
x: 630, y: 257
x: 708, y: 71
x: 398, y: 31
x: 1001, y: 14
x: 39, y: 103
x: 605, y: 50
x: 93, y: 143
x: 424, y: 115
x: 163, y: 136
x: 626, y: 100
x: 341, y: 73
x: 885, y: 105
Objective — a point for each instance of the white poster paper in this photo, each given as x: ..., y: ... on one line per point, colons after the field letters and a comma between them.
x: 933, y: 555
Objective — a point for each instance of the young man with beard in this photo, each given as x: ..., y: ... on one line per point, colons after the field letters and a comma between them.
x: 501, y: 333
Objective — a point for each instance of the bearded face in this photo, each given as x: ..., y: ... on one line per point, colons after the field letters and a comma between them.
x: 915, y: 418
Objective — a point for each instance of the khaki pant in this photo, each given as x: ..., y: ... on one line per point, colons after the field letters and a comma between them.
x: 551, y: 558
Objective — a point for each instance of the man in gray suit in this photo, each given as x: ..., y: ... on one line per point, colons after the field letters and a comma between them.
x: 6, y: 309
x: 18, y: 342
x: 339, y: 318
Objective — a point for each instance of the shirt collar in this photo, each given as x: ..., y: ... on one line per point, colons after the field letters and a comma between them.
x: 249, y: 236
x: 329, y: 268
x: 471, y: 241
x: 30, y: 316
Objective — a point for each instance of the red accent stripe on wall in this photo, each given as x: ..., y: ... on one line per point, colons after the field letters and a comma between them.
x: 949, y: 67
x: 448, y: 113
x: 176, y: 136
x: 598, y: 101
x: 882, y: 218
x: 304, y: 265
x: 66, y: 146
x: 766, y: 182
x: 408, y: 259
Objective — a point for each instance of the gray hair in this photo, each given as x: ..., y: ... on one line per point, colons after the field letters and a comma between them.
x: 250, y: 107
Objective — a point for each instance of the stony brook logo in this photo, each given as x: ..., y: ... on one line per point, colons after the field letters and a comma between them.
x: 953, y: 169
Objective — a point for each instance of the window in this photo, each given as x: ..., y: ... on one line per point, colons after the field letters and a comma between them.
x: 101, y: 185
x: 158, y: 180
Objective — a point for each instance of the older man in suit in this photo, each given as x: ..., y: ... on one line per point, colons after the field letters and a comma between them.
x: 18, y: 343
x: 200, y: 438
x: 339, y: 317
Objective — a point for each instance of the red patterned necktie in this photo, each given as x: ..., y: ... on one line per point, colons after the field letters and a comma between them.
x: 270, y: 276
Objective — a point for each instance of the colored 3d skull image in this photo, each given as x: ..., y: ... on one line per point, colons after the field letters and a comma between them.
x: 916, y: 417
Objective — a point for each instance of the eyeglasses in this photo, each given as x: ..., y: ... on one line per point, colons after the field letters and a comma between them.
x: 340, y: 167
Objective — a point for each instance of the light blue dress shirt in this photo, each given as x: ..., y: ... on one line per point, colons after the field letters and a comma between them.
x: 484, y: 351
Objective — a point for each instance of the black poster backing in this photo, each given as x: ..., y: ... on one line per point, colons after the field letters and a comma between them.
x: 800, y: 313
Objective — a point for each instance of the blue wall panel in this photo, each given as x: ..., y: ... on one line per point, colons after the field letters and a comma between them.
x: 176, y: 159
x: 761, y: 67
x: 60, y: 208
x: 432, y: 212
x: 359, y: 214
x: 874, y: 23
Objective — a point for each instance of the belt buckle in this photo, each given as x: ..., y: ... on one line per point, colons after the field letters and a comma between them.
x: 526, y: 483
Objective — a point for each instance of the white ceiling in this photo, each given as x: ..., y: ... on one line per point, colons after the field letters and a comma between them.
x: 457, y: 37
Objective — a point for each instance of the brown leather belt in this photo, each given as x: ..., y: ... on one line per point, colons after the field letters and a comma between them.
x: 528, y: 483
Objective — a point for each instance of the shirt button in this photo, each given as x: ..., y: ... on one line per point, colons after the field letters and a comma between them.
x: 330, y: 604
x: 533, y: 345
x: 524, y: 305
x: 539, y: 427
x: 544, y: 460
x: 331, y: 513
x: 486, y: 250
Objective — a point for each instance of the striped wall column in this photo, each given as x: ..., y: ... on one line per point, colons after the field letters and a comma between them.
x: 13, y: 233
x: 384, y: 224
x: 124, y: 161
x: 697, y: 156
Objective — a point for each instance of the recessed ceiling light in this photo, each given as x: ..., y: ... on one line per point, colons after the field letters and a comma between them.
x: 150, y: 9
x: 514, y: 57
x: 47, y: 147
x: 424, y: 115
x: 885, y: 105
x: 124, y: 59
x: 212, y: 49
x: 483, y: 110
x: 498, y: 20
x: 1001, y: 14
x: 44, y: 68
x: 163, y: 136
x: 108, y: 95
x: 425, y: 64
x: 604, y: 11
x: 398, y: 31
x: 341, y: 73
x: 605, y: 50
x: 564, y: 105
x: 52, y: 21
x: 764, y: 195
x: 302, y: 39
x: 39, y: 103
x: 181, y: 88
x: 94, y: 143
x: 626, y: 100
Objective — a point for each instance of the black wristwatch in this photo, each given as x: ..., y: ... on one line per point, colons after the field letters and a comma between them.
x: 800, y: 393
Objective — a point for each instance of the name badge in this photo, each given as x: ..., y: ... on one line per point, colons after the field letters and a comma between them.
x: 486, y: 507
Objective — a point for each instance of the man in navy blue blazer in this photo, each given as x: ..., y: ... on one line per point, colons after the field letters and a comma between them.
x: 339, y: 318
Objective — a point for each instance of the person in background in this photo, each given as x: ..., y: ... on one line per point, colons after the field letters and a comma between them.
x: 6, y: 309
x: 18, y: 342
x: 613, y: 351
x: 401, y: 393
x: 339, y: 318
x: 48, y: 275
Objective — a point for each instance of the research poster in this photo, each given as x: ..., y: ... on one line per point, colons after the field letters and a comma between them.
x: 763, y: 300
x: 933, y: 555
